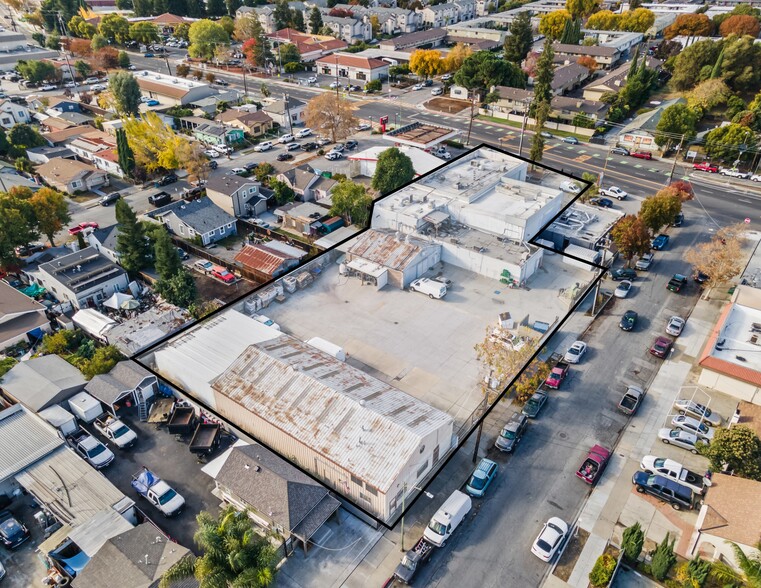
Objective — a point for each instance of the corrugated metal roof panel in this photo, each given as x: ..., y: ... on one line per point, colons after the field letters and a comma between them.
x: 24, y: 439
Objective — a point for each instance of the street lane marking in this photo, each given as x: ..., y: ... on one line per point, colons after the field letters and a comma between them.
x: 582, y: 158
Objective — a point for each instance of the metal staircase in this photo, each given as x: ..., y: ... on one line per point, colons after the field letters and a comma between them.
x: 142, y: 405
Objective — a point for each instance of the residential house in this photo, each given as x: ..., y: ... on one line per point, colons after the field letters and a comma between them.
x: 252, y: 123
x: 266, y: 260
x: 88, y: 144
x: 563, y: 108
x: 615, y: 80
x: 639, y: 134
x: 141, y: 555
x: 302, y: 218
x: 210, y: 104
x: 353, y: 67
x: 128, y: 383
x: 265, y: 14
x: 59, y: 136
x: 71, y: 176
x: 728, y: 514
x: 83, y: 278
x: 346, y: 28
x: 466, y: 9
x: 605, y: 56
x: 568, y: 77
x: 42, y: 382
x: 310, y: 47
x: 302, y: 180
x: 39, y: 155
x: 63, y: 67
x: 236, y: 195
x: 216, y: 134
x: 440, y: 15
x: 391, y: 21
x: 13, y: 114
x: 108, y: 161
x: 21, y: 318
x: 198, y: 218
x: 58, y: 105
x: 287, y: 113
x: 104, y: 241
x: 277, y: 496
x: 171, y: 89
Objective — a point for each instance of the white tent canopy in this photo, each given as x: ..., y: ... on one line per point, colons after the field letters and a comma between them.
x: 117, y: 300
x: 93, y: 322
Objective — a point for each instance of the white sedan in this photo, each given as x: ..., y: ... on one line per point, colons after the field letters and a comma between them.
x: 675, y: 326
x: 97, y: 87
x: 575, y: 352
x: 550, y: 539
x: 211, y: 153
x: 312, y: 80
x: 570, y: 187
x: 418, y: 87
x: 700, y: 430
x: 623, y: 289
x: 681, y: 439
x: 698, y: 411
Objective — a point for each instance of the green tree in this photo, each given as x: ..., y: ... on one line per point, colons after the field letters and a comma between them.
x: 115, y: 28
x: 62, y: 342
x: 604, y: 20
x: 582, y: 8
x: 631, y: 237
x: 518, y: 42
x: 124, y: 153
x: 289, y: 53
x: 53, y: 42
x: 658, y: 211
x: 51, y: 211
x: 738, y: 449
x: 103, y: 361
x: 394, y: 170
x: 315, y: 20
x: 124, y: 61
x: 126, y: 92
x: 18, y: 225
x: 297, y: 20
x: 23, y: 137
x: 283, y: 192
x: 693, y: 573
x: 602, y: 571
x: 36, y: 71
x: 663, y: 558
x: 263, y: 171
x: 181, y: 31
x: 166, y: 260
x: 257, y: 48
x: 483, y: 69
x: 82, y: 68
x: 749, y: 574
x: 281, y: 15
x: 233, y: 554
x: 726, y: 142
x: 206, y: 37
x: 633, y: 540
x: 39, y: 38
x: 144, y: 32
x: 228, y: 23
x: 545, y: 73
x: 677, y: 120
x: 551, y: 24
x: 98, y: 42
x: 689, y: 64
x: 739, y: 64
x: 131, y: 244
x: 351, y: 201
x: 216, y: 7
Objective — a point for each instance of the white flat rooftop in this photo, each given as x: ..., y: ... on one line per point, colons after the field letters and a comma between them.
x: 741, y: 327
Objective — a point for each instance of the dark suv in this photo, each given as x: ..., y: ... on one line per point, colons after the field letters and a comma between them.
x: 12, y: 533
x: 512, y: 432
x: 664, y: 489
x: 167, y: 179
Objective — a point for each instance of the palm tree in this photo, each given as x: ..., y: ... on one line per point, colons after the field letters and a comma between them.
x: 749, y: 574
x: 234, y: 556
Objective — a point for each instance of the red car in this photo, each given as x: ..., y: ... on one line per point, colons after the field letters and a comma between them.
x: 222, y: 274
x: 594, y: 465
x: 661, y: 347
x: 81, y: 227
x: 642, y: 155
x: 706, y: 167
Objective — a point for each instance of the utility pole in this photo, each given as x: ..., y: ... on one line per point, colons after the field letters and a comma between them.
x: 337, y: 84
x: 288, y: 112
x: 527, y: 105
x: 66, y: 57
x: 245, y: 87
x: 470, y: 122
x: 673, y: 167
x: 166, y: 59
x: 604, y: 167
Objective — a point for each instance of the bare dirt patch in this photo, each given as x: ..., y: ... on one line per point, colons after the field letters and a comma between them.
x: 447, y: 105
x: 567, y: 561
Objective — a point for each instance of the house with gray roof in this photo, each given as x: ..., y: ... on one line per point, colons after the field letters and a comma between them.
x: 82, y: 278
x: 104, y: 241
x: 303, y: 180
x: 279, y: 111
x: 138, y: 557
x: 197, y: 218
x: 639, y: 134
x: 236, y: 195
x: 127, y: 381
x: 21, y: 318
x: 43, y: 381
x: 40, y: 155
x: 276, y: 495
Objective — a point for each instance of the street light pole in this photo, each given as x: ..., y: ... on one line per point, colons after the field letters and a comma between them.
x: 404, y: 496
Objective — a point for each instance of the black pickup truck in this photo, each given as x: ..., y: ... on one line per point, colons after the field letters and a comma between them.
x: 160, y: 199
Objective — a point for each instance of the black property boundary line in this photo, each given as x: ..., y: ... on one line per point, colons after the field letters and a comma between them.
x: 477, y: 423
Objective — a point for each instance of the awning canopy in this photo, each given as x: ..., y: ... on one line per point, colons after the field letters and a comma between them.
x: 368, y: 268
x: 117, y: 300
x: 93, y: 322
x: 436, y: 217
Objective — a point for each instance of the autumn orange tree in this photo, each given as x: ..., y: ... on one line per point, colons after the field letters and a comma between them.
x: 631, y: 236
x: 426, y: 62
x: 331, y: 115
x: 501, y: 360
x: 691, y: 25
x: 740, y: 24
x: 721, y: 258
x: 51, y: 211
x: 589, y: 62
x: 678, y: 188
x: 456, y: 56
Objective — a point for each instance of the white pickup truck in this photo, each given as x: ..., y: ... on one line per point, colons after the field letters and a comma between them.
x: 90, y: 449
x: 674, y: 470
x: 157, y: 492
x: 116, y: 431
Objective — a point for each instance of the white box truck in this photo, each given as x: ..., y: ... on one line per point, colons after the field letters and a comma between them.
x: 61, y: 419
x: 447, y: 518
x: 328, y: 347
x: 85, y: 407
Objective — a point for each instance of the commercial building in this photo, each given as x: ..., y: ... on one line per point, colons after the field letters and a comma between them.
x: 41, y: 382
x: 364, y: 163
x: 353, y: 67
x: 363, y: 438
x: 730, y: 361
x: 21, y: 318
x: 83, y: 278
x: 639, y: 134
x: 310, y: 47
x: 172, y: 89
x: 266, y: 260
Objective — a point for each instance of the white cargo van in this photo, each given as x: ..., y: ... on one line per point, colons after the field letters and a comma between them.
x: 328, y: 347
x: 433, y: 288
x: 447, y: 518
